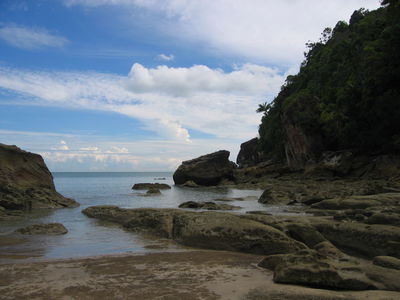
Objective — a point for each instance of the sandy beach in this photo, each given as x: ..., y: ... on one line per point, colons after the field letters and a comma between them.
x: 178, y: 275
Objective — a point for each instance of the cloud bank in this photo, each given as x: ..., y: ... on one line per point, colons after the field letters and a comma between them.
x: 168, y: 101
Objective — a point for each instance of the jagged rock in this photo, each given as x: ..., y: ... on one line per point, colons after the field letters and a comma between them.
x: 208, y: 206
x: 387, y: 262
x: 212, y: 230
x: 148, y: 186
x: 26, y: 183
x: 49, y: 228
x: 206, y: 170
x: 249, y: 155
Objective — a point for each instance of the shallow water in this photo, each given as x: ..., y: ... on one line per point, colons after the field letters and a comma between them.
x: 90, y: 237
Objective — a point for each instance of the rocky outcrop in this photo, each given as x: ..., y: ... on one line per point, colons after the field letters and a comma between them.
x: 207, y: 205
x: 212, y: 230
x: 249, y: 155
x: 148, y: 186
x: 49, y: 229
x: 207, y: 170
x: 26, y: 183
x: 308, y: 267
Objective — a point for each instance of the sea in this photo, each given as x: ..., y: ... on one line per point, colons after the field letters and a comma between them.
x: 91, y: 237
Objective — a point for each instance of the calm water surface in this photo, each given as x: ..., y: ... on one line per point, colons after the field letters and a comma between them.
x: 89, y: 237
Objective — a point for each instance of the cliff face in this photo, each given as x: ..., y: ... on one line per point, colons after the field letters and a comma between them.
x: 26, y: 182
x: 345, y: 96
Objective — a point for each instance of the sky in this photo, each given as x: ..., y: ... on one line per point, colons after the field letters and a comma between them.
x: 141, y: 85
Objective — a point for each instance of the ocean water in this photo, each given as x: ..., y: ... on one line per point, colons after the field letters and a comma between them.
x: 90, y: 237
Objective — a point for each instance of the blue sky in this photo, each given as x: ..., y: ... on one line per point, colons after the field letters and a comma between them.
x: 140, y: 85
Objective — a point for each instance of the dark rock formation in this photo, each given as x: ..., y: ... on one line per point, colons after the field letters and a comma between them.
x: 212, y: 230
x: 26, y: 183
x: 49, y: 228
x: 208, y: 170
x: 148, y: 186
x: 208, y: 206
x: 387, y: 262
x: 249, y: 155
x: 308, y: 267
x: 153, y: 192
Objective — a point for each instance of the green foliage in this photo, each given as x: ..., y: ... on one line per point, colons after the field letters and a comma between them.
x: 348, y: 89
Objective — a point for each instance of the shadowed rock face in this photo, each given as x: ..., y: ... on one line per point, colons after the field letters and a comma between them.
x: 206, y: 170
x: 26, y: 182
x: 249, y: 155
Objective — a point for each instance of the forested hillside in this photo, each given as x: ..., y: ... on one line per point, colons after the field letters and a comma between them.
x: 346, y: 94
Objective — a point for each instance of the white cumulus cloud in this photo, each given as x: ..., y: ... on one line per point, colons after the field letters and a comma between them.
x: 168, y: 101
x: 30, y: 38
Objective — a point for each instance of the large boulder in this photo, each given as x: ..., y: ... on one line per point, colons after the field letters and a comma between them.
x: 206, y: 170
x: 26, y: 182
x: 249, y: 155
x: 211, y: 230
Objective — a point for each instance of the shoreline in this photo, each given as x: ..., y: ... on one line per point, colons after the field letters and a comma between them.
x: 196, y: 274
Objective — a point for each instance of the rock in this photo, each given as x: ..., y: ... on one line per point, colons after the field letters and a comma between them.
x: 363, y: 239
x: 266, y: 197
x: 147, y: 186
x: 304, y: 233
x: 385, y: 218
x: 270, y: 262
x: 26, y: 183
x: 258, y: 212
x: 387, y: 262
x: 49, y: 228
x: 210, y: 230
x: 328, y: 249
x: 310, y: 268
x: 190, y: 183
x: 359, y: 202
x: 208, y: 206
x: 153, y: 192
x: 207, y: 170
x: 249, y: 155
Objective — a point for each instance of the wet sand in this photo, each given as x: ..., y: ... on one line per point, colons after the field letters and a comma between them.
x: 181, y: 275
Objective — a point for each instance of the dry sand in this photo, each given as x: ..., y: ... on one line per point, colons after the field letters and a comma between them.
x: 176, y: 275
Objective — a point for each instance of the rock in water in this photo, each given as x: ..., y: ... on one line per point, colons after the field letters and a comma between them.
x: 49, y: 228
x: 208, y: 205
x: 210, y: 230
x: 148, y: 186
x: 26, y: 182
x: 153, y: 192
x: 206, y: 170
